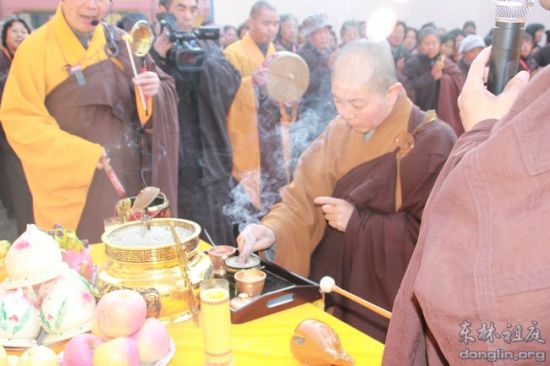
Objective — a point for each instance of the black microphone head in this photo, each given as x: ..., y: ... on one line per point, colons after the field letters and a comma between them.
x: 512, y: 11
x: 94, y: 22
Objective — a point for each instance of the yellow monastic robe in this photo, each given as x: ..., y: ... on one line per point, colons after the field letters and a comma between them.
x: 59, y: 166
x: 246, y: 56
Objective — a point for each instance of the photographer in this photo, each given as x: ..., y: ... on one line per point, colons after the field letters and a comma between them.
x: 206, y: 84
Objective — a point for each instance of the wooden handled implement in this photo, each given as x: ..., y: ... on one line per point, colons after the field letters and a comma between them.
x: 328, y: 285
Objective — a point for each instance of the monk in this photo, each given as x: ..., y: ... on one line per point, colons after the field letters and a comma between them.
x: 476, y: 289
x: 70, y: 107
x: 254, y: 120
x: 354, y: 206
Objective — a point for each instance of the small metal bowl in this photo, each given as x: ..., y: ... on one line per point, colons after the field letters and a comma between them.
x: 218, y: 255
x: 233, y: 265
x: 250, y: 281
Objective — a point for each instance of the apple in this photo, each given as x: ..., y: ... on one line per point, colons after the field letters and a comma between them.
x: 121, y: 313
x: 38, y: 355
x: 95, y: 331
x: 153, y: 341
x: 122, y: 351
x: 80, y: 350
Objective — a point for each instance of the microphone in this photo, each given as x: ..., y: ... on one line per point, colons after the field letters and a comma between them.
x: 94, y: 22
x: 507, y: 39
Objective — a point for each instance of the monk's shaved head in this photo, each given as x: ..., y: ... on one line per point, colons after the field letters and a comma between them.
x: 368, y: 63
x: 260, y: 6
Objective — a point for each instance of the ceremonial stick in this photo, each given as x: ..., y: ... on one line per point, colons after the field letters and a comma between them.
x: 127, y: 39
x: 184, y: 267
x: 328, y: 285
x: 113, y: 178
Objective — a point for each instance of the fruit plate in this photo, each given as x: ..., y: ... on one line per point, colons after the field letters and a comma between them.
x: 162, y: 362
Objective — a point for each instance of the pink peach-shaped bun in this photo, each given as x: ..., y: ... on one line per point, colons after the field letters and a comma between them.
x: 120, y: 313
x: 80, y: 350
x: 122, y: 351
x: 153, y: 341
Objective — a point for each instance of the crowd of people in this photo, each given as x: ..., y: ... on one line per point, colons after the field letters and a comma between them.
x: 376, y: 126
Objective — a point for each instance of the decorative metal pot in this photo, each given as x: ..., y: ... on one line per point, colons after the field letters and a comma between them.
x: 143, y: 257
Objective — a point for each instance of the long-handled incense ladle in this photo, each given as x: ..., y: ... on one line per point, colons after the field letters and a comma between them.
x: 328, y: 285
x: 184, y: 267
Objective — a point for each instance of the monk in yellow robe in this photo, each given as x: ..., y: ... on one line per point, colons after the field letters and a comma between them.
x: 254, y: 120
x: 70, y: 103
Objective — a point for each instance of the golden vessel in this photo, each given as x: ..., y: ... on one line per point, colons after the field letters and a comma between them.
x: 142, y: 256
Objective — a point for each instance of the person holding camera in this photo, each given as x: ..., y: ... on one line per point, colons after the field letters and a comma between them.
x: 206, y: 84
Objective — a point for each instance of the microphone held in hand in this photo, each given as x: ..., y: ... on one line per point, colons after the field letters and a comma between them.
x: 94, y: 22
x: 507, y: 40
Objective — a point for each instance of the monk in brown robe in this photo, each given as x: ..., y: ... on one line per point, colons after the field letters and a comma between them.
x: 452, y: 82
x: 368, y: 176
x: 71, y: 103
x: 476, y: 289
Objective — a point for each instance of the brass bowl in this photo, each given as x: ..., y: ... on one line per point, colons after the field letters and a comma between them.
x: 250, y: 281
x: 218, y: 255
x: 232, y: 264
x: 152, y: 267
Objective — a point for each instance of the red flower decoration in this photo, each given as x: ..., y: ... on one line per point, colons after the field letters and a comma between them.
x: 87, y: 297
x: 22, y: 244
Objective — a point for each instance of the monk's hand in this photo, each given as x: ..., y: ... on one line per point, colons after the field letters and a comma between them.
x: 337, y: 211
x: 149, y: 83
x: 254, y: 237
x: 437, y: 70
x: 259, y: 77
x: 162, y: 43
x: 476, y: 103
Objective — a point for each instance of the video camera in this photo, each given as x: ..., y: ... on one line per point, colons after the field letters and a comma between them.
x: 186, y: 50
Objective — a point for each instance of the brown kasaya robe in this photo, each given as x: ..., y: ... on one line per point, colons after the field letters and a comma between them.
x: 371, y: 257
x: 104, y: 111
x: 380, y: 240
x: 450, y: 86
x: 478, y: 283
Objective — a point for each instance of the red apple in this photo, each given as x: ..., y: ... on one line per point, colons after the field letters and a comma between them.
x: 95, y: 331
x: 80, y: 350
x: 38, y: 355
x: 120, y: 313
x: 122, y: 351
x: 153, y: 341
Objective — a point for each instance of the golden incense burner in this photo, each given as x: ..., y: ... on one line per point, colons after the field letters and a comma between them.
x: 142, y: 256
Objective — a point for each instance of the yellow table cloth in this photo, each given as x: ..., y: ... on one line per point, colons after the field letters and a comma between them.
x: 266, y: 340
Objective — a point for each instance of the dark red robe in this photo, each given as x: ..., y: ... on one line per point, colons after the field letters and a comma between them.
x: 371, y: 257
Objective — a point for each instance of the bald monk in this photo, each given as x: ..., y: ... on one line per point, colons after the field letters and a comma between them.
x: 70, y: 105
x: 477, y: 285
x: 353, y: 209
